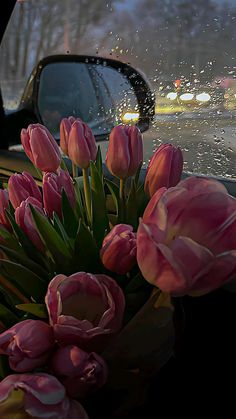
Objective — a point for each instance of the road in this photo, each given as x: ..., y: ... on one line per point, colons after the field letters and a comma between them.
x: 208, y: 144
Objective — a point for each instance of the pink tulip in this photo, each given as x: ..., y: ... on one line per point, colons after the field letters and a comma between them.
x: 41, y: 147
x: 37, y: 395
x: 125, y: 151
x: 187, y: 241
x: 82, y: 147
x: 118, y: 252
x: 65, y: 127
x: 149, y: 213
x: 84, y: 309
x: 21, y: 187
x: 4, y: 205
x: 25, y: 220
x: 80, y: 372
x: 52, y: 191
x: 28, y: 344
x: 165, y: 168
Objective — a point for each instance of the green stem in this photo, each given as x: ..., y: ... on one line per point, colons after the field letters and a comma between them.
x: 87, y: 193
x: 122, y: 200
x: 74, y: 170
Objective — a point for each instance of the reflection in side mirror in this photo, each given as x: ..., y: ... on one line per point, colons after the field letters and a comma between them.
x: 103, y: 92
x: 99, y: 95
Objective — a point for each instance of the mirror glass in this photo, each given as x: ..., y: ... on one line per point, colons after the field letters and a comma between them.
x: 98, y: 94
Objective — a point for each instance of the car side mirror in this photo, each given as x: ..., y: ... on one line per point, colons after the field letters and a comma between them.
x: 103, y: 92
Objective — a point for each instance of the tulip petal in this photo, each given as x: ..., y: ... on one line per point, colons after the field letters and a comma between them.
x: 118, y: 158
x: 78, y: 149
x: 135, y: 149
x: 45, y: 150
x: 150, y: 259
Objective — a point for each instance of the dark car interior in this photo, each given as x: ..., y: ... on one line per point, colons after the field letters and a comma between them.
x: 200, y: 377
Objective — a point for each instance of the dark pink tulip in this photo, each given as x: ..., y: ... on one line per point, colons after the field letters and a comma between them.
x: 4, y: 204
x: 25, y: 220
x: 80, y: 372
x: 186, y: 243
x: 65, y: 127
x: 118, y: 252
x: 84, y: 309
x: 52, y: 191
x: 82, y: 147
x: 28, y: 344
x: 165, y: 168
x: 37, y: 395
x: 125, y: 151
x: 41, y: 147
x: 21, y: 187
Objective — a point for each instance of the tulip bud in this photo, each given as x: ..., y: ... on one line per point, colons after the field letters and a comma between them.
x: 52, y: 191
x: 21, y: 187
x: 125, y: 151
x: 65, y: 127
x: 4, y: 204
x: 165, y: 168
x: 28, y: 344
x: 80, y: 372
x: 118, y: 251
x: 41, y: 147
x: 82, y: 147
x: 24, y: 219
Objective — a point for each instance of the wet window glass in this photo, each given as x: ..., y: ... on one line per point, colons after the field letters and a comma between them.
x: 186, y: 49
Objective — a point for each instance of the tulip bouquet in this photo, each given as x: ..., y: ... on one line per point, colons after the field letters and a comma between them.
x: 92, y: 266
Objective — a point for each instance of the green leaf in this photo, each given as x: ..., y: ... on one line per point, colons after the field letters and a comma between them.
x: 9, y: 239
x: 79, y: 187
x: 147, y: 340
x: 19, y: 257
x: 86, y: 253
x: 98, y: 162
x: 10, y: 298
x: 114, y: 189
x: 38, y: 310
x: 27, y: 245
x: 136, y: 178
x: 70, y: 221
x: 100, y: 220
x: 30, y: 284
x: 7, y: 317
x: 131, y: 207
x: 63, y: 165
x: 142, y: 200
x: 137, y: 283
x: 57, y: 224
x: 57, y: 247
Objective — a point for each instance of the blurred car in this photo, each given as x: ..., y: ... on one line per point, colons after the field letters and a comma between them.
x: 177, y: 96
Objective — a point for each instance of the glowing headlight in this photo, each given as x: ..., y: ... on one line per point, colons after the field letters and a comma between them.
x: 171, y: 95
x: 203, y: 97
x: 130, y: 116
x: 186, y: 96
x: 235, y: 95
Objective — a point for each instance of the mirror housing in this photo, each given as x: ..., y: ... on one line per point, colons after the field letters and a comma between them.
x: 141, y: 88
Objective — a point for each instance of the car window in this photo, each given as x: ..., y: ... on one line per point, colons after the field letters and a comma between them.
x: 185, y: 48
